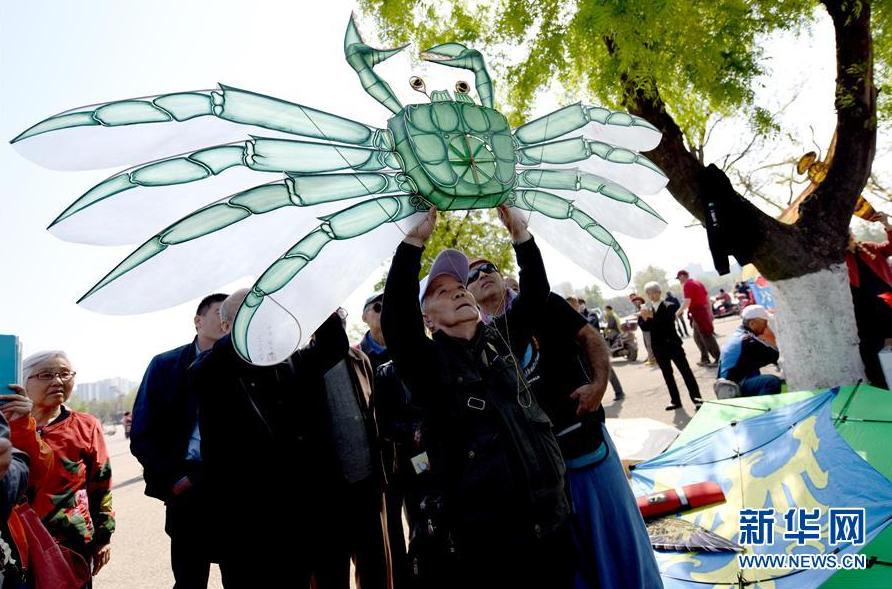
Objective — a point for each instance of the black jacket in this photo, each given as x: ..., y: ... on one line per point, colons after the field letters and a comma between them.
x: 663, y: 336
x: 164, y: 416
x: 260, y: 431
x: 489, y: 442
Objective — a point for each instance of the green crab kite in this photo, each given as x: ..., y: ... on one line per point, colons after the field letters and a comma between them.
x: 577, y: 171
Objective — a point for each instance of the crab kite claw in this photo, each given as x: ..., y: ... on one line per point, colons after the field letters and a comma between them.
x: 363, y: 58
x: 457, y: 55
x: 280, y: 313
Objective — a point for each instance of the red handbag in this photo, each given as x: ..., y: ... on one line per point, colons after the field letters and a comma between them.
x: 50, y: 565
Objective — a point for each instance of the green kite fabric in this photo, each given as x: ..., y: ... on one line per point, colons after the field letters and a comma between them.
x: 300, y: 180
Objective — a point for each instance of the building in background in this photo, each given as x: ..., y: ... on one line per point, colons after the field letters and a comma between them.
x: 104, y: 390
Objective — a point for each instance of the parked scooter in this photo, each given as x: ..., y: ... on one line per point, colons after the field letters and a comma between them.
x: 722, y: 308
x: 625, y: 343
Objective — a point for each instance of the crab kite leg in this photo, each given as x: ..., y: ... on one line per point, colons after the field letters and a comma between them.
x: 618, y: 208
x: 260, y: 200
x: 631, y: 169
x: 606, y: 259
x: 143, y: 129
x: 261, y: 334
x: 615, y: 127
x: 257, y: 154
x: 363, y: 58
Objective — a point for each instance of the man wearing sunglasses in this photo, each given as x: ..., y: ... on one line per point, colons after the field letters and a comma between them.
x: 567, y: 365
x: 372, y: 343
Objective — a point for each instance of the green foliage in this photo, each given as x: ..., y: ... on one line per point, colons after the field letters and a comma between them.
x: 881, y: 28
x: 702, y: 57
x: 650, y: 274
x: 621, y: 305
x: 592, y: 296
x: 713, y: 282
x: 477, y: 233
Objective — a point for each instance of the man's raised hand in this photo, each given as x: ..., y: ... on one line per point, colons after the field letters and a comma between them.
x: 515, y: 223
x: 419, y: 234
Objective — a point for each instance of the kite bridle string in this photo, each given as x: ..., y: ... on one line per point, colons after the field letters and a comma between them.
x: 358, y: 175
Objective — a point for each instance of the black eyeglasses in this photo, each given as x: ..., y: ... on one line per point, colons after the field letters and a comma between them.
x: 474, y: 274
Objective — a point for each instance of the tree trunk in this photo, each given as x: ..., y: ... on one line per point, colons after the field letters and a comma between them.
x: 804, y: 261
x: 816, y: 330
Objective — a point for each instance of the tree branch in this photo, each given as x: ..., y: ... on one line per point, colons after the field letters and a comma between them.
x: 828, y: 209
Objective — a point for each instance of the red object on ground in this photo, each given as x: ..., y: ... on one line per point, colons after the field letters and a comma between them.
x: 680, y: 499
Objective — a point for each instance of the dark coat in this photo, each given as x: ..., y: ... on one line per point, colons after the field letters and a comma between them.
x: 489, y: 442
x: 259, y: 441
x: 164, y: 416
x: 664, y: 338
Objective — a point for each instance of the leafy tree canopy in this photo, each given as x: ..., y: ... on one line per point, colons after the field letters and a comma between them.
x: 702, y: 57
x: 478, y: 233
x: 592, y: 295
x: 650, y: 274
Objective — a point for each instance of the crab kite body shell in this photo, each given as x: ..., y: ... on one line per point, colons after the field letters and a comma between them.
x: 458, y: 155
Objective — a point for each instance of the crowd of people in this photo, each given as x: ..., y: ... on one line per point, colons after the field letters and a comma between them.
x: 470, y: 412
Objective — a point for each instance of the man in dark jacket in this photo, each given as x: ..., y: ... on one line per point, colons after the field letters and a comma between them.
x: 260, y: 449
x: 658, y: 318
x: 489, y: 442
x: 353, y: 485
x: 751, y: 346
x: 399, y: 426
x: 164, y: 438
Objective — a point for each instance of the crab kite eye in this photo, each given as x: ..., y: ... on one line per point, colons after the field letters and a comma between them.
x: 462, y: 87
x: 417, y: 84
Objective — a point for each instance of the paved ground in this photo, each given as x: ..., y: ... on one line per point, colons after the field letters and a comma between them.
x: 646, y: 393
x: 140, y: 548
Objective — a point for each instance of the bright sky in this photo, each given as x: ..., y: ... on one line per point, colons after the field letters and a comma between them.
x: 59, y: 55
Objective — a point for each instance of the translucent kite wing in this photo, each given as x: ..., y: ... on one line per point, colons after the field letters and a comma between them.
x: 598, y: 253
x: 282, y: 310
x: 625, y: 167
x: 136, y: 130
x: 117, y: 212
x: 615, y: 208
x: 136, y: 202
x: 592, y: 122
x: 232, y: 238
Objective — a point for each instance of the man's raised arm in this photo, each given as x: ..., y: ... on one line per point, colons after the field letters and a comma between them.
x: 401, y: 320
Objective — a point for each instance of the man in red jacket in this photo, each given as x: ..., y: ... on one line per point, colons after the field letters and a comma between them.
x: 870, y: 278
x: 696, y: 301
